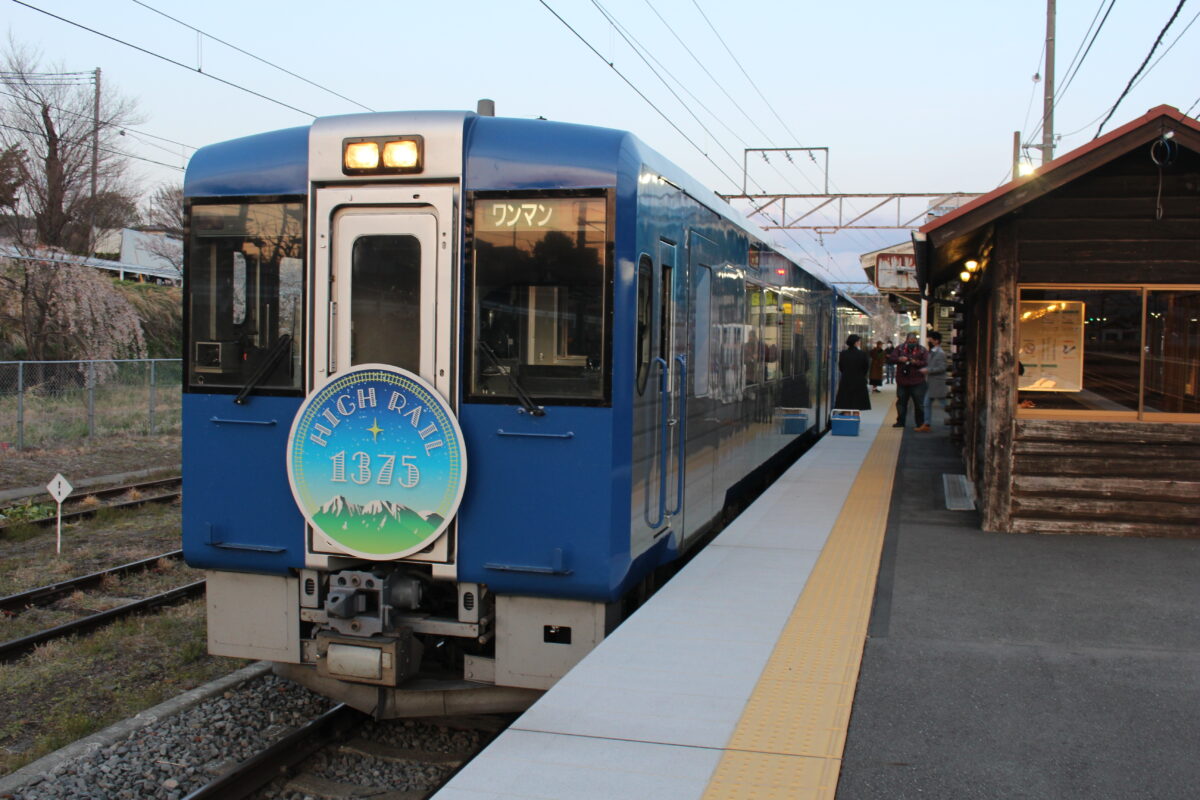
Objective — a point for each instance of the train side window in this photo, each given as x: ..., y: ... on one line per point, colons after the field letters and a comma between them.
x: 752, y: 349
x: 645, y: 320
x: 703, y: 330
x: 540, y: 297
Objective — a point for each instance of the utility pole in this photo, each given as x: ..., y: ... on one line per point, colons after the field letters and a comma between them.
x: 1016, y: 155
x: 95, y: 139
x: 1048, y: 101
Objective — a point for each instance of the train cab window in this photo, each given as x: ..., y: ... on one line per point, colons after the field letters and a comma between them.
x: 385, y: 306
x: 244, y: 296
x: 540, y: 315
x: 645, y: 321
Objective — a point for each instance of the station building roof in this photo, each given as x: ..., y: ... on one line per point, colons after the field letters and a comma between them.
x: 950, y: 238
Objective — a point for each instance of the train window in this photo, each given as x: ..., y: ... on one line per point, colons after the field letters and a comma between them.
x: 703, y: 327
x: 385, y: 303
x: 771, y: 320
x: 244, y: 296
x: 752, y: 349
x: 645, y: 321
x: 540, y: 297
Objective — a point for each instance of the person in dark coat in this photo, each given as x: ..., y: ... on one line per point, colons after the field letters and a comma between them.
x: 853, y: 364
x: 878, y: 357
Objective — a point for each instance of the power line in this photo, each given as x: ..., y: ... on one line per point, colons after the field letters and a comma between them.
x: 164, y: 58
x: 1058, y: 95
x: 1192, y: 106
x: 640, y: 94
x: 1145, y: 61
x: 748, y: 116
x: 119, y: 128
x: 251, y: 55
x: 743, y: 69
x: 621, y: 31
x: 102, y: 149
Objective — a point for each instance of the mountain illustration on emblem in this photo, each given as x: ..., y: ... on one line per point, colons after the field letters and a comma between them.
x: 377, y: 517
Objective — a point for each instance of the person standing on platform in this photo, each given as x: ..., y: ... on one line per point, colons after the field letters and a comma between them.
x: 853, y: 364
x: 935, y: 377
x: 889, y: 369
x: 910, y: 358
x: 878, y: 359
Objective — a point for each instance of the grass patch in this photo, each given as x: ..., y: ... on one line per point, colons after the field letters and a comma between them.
x: 114, y: 673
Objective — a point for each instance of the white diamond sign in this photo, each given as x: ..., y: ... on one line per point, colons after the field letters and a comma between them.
x: 59, y: 488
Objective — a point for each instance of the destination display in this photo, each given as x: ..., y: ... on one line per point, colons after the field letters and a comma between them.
x: 1051, y: 352
x: 545, y: 213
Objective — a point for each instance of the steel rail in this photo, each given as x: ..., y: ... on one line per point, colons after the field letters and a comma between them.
x: 259, y: 770
x: 111, y: 491
x: 44, y: 595
x: 84, y: 513
x: 15, y: 648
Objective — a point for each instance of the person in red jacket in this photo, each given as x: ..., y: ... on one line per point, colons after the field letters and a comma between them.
x: 910, y: 360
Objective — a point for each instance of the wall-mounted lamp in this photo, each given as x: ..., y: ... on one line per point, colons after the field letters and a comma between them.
x: 964, y: 276
x: 972, y: 265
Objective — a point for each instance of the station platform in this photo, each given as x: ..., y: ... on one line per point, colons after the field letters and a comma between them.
x: 847, y: 636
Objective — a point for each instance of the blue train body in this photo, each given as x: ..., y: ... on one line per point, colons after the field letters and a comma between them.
x: 667, y: 355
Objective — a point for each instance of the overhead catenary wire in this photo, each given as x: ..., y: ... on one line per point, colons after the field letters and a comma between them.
x: 735, y: 103
x: 639, y: 92
x: 1146, y: 60
x: 260, y: 59
x: 161, y: 57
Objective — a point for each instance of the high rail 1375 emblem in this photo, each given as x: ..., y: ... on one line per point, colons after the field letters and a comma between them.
x: 376, y: 462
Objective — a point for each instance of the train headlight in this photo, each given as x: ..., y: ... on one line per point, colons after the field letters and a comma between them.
x: 360, y: 156
x: 403, y: 154
x: 383, y: 155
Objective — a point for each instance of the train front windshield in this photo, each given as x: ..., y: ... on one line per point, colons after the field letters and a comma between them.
x: 540, y: 298
x: 245, y: 296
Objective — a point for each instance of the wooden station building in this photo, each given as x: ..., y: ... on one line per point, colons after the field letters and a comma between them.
x: 1077, y: 336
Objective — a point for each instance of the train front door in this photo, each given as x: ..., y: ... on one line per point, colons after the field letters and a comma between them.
x: 383, y: 290
x: 388, y: 297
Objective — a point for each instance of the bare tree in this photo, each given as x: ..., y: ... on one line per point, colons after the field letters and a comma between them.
x: 164, y: 209
x: 163, y: 215
x: 49, y: 118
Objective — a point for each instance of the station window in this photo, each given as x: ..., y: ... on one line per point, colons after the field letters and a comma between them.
x: 244, y: 295
x: 540, y: 289
x: 1111, y: 353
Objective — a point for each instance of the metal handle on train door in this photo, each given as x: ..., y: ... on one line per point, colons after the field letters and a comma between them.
x: 662, y: 448
x: 681, y: 434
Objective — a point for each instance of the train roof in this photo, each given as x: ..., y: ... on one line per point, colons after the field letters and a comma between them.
x: 500, y: 152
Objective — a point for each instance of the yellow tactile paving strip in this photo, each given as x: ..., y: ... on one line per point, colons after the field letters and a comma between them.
x: 788, y: 742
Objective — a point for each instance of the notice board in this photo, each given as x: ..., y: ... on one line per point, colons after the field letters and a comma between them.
x: 1051, y: 352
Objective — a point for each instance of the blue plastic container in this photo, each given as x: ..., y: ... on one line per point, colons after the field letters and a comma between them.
x: 845, y: 423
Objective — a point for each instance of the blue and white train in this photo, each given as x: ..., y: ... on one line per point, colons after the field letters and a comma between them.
x: 461, y: 389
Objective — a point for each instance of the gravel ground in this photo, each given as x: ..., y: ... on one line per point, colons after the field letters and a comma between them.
x: 171, y: 758
x: 344, y: 767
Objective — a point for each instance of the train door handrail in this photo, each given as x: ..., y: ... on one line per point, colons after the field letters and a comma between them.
x: 664, y: 411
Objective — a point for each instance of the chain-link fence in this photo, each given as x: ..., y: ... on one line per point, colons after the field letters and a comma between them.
x: 57, y: 402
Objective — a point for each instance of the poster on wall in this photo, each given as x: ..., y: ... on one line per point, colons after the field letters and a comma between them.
x: 1051, y: 352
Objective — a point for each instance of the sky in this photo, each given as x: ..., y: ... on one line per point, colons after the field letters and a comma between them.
x: 916, y: 97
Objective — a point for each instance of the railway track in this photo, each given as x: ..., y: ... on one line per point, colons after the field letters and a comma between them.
x: 46, y: 595
x: 299, y: 762
x: 162, y: 490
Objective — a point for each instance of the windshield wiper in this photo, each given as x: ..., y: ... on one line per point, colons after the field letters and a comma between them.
x: 527, y: 403
x: 265, y: 368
